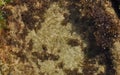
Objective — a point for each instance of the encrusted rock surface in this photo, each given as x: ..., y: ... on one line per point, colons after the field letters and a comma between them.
x: 60, y: 37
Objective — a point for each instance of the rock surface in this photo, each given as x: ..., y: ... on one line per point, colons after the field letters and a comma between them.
x: 60, y: 37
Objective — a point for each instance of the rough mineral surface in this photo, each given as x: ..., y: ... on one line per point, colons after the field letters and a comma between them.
x: 60, y: 37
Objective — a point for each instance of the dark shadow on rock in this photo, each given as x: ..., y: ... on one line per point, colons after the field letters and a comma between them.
x: 116, y: 6
x: 85, y: 27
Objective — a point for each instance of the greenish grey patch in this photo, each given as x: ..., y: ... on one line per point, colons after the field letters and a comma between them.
x: 7, y: 1
x: 1, y: 16
x: 2, y: 2
x: 2, y: 21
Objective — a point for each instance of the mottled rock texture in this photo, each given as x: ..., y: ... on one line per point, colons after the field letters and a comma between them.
x: 60, y: 37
